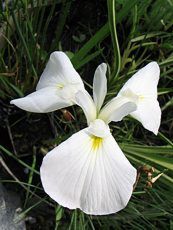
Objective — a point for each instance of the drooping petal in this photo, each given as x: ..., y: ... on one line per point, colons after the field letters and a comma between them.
x: 116, y: 109
x: 42, y: 101
x: 100, y: 85
x: 144, y: 82
x: 149, y: 114
x: 59, y: 71
x: 89, y: 173
x: 142, y: 89
x: 84, y: 100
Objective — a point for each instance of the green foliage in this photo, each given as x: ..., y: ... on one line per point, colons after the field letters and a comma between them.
x: 135, y: 33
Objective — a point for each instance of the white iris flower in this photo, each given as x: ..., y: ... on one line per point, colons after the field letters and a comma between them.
x: 89, y: 171
x: 56, y: 88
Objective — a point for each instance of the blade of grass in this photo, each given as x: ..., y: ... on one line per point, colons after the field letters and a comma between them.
x: 116, y: 50
x: 30, y: 179
x: 59, y: 211
x: 22, y: 215
x: 21, y: 182
x: 18, y: 181
x: 24, y: 43
x: 66, y: 4
x: 154, y: 158
x: 18, y: 160
x: 166, y: 139
x: 88, y: 59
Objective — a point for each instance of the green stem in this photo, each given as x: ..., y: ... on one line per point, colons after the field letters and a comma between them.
x: 113, y: 31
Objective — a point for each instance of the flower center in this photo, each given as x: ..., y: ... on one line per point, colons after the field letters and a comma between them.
x: 96, y: 142
x: 60, y: 86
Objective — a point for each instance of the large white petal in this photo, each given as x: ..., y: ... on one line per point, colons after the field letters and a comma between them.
x: 85, y: 173
x: 149, y: 114
x: 59, y: 71
x: 116, y: 109
x: 100, y: 85
x: 42, y: 101
x: 144, y: 82
x: 85, y: 101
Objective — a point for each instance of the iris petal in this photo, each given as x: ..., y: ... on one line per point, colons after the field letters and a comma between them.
x: 144, y: 82
x: 100, y: 85
x: 56, y: 88
x: 59, y: 70
x: 116, y: 109
x: 142, y: 89
x: 89, y: 173
x: 42, y: 101
x: 149, y: 114
x: 85, y: 101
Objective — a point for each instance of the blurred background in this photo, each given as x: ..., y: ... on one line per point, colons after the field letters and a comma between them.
x: 126, y: 34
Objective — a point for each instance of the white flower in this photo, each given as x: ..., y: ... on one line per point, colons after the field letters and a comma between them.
x: 89, y: 171
x: 56, y: 88
x: 142, y: 89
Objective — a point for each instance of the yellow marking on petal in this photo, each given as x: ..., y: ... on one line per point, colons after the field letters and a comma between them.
x: 96, y: 142
x: 141, y: 97
x: 60, y: 86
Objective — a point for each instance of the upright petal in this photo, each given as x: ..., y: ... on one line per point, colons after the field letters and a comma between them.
x: 100, y: 85
x: 142, y: 89
x: 84, y: 100
x: 144, y: 82
x: 59, y: 71
x: 42, y: 101
x: 89, y: 173
x: 116, y: 109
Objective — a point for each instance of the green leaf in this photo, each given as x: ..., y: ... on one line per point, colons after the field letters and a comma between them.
x: 153, y: 156
x: 101, y: 34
